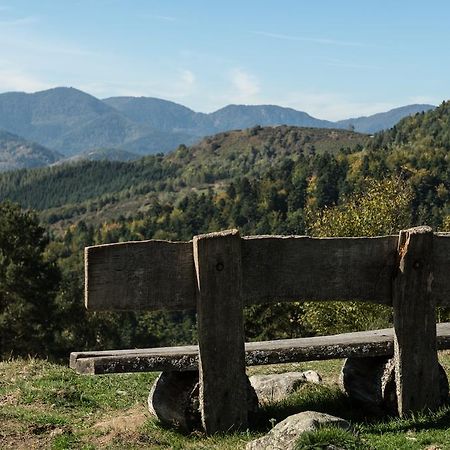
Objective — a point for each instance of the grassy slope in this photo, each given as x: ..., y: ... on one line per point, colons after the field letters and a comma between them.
x: 43, y: 405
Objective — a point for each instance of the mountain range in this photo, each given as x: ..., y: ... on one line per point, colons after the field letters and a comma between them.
x: 66, y: 123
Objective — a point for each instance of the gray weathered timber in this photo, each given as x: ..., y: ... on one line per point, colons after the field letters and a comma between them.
x: 150, y: 275
x: 441, y: 269
x: 155, y: 275
x: 220, y: 324
x: 158, y: 352
x: 415, y: 355
x: 358, y: 345
x: 296, y: 268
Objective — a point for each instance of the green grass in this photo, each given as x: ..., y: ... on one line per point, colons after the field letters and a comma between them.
x: 44, y: 405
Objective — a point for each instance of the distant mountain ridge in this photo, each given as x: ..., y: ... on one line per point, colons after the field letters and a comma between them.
x: 383, y: 121
x: 18, y: 153
x: 73, y: 122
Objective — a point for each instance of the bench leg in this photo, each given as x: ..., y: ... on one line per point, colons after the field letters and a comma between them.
x: 415, y: 352
x: 220, y: 322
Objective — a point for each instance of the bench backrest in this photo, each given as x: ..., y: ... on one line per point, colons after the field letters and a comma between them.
x: 160, y: 275
x: 219, y: 273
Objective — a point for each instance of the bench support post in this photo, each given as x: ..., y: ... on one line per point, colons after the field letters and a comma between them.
x: 416, y: 363
x: 223, y: 382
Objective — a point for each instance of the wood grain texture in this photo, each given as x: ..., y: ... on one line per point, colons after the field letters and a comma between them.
x: 277, y: 268
x: 441, y: 269
x: 415, y: 355
x: 156, y: 275
x: 220, y: 324
x: 359, y: 345
x: 149, y: 275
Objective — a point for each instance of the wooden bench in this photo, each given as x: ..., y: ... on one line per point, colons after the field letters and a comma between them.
x: 360, y: 344
x: 219, y: 273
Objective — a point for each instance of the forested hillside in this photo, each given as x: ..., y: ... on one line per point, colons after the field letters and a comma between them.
x: 215, y: 160
x: 274, y: 180
x: 18, y: 153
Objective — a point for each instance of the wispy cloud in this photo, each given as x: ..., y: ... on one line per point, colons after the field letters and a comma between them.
x: 19, y: 43
x: 245, y: 85
x: 422, y: 99
x: 176, y: 88
x: 350, y: 65
x: 18, y: 80
x: 160, y: 17
x: 18, y: 22
x: 332, y: 105
x: 322, y: 41
x: 187, y: 77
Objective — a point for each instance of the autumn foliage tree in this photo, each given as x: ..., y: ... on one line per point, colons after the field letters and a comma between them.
x: 381, y: 208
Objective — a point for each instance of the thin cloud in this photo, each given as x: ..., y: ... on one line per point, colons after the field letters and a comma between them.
x: 19, y: 22
x: 332, y: 105
x: 187, y: 77
x: 350, y: 65
x: 323, y: 41
x: 40, y: 46
x: 160, y: 17
x: 17, y: 80
x: 424, y: 99
x: 246, y: 85
x: 176, y: 88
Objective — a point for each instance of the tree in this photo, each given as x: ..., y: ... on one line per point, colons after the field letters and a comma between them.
x: 28, y: 284
x: 382, y: 208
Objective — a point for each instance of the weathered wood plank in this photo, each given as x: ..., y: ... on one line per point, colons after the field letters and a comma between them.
x: 441, y: 269
x: 160, y: 355
x: 149, y: 275
x: 360, y: 344
x: 415, y: 356
x: 220, y: 324
x: 156, y: 275
x: 295, y: 268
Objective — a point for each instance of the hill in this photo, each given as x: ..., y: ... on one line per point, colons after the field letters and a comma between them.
x: 215, y: 159
x: 101, y: 154
x: 246, y: 116
x: 287, y: 168
x: 163, y: 115
x: 382, y: 121
x: 71, y: 121
x: 18, y: 153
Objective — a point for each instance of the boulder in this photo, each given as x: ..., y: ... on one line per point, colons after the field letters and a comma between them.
x: 371, y: 382
x: 174, y: 400
x: 276, y: 387
x: 285, y: 434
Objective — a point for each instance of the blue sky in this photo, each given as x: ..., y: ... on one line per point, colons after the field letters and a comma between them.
x: 332, y: 59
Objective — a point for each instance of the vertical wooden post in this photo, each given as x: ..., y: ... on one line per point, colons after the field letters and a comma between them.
x: 223, y: 382
x: 416, y: 363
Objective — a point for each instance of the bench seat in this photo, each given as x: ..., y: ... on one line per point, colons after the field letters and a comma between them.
x: 356, y: 345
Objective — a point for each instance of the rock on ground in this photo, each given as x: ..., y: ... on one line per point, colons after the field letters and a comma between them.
x: 285, y: 434
x: 276, y: 387
x: 174, y: 400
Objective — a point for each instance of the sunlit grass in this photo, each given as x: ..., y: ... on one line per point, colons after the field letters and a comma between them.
x: 44, y: 405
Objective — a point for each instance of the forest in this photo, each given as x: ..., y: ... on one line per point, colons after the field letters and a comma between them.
x: 271, y: 180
